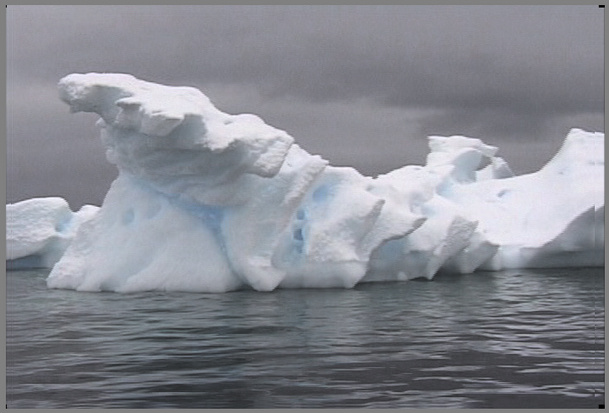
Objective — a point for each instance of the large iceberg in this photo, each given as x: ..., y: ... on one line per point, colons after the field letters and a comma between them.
x: 211, y: 202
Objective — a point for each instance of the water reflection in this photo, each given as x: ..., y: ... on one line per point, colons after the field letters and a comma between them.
x: 458, y: 341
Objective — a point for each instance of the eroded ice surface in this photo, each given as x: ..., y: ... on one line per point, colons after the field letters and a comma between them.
x: 207, y: 201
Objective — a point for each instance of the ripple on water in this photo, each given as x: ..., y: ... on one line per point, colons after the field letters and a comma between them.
x: 470, y: 341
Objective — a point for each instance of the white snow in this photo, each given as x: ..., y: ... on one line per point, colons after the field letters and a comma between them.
x: 211, y: 202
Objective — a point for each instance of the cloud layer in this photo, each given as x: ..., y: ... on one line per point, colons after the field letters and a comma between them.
x: 361, y: 85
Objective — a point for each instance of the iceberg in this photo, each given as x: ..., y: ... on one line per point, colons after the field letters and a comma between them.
x: 211, y: 202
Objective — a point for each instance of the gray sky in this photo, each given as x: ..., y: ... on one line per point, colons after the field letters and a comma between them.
x: 360, y: 85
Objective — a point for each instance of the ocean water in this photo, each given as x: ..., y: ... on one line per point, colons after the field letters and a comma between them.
x: 507, y: 339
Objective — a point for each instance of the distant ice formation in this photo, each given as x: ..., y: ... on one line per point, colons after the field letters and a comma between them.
x: 39, y: 230
x: 211, y: 202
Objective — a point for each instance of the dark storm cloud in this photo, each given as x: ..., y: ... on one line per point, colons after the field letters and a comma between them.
x: 520, y: 57
x: 512, y: 73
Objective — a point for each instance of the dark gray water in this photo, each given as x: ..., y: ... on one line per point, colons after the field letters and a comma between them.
x: 506, y: 339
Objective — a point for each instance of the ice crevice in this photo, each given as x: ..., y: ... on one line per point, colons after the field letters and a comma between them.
x: 211, y: 202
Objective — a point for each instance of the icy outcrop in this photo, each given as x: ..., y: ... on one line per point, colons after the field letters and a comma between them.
x: 489, y: 219
x: 549, y: 218
x: 39, y: 230
x: 207, y: 201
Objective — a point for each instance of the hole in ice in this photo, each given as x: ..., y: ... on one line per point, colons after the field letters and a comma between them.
x: 128, y: 216
x: 61, y: 226
x: 502, y: 193
x: 320, y: 194
x: 300, y: 214
x: 484, y: 162
x: 298, y: 234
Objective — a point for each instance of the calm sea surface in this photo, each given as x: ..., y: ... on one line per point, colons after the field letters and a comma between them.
x: 507, y: 339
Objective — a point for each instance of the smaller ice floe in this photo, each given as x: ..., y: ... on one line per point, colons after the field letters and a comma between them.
x: 39, y: 230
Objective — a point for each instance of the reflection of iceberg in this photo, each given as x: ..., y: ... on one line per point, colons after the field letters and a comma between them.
x: 207, y: 201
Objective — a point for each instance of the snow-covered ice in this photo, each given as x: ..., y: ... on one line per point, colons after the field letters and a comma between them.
x: 211, y: 202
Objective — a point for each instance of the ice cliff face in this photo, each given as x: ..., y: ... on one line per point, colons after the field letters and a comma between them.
x: 207, y: 201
